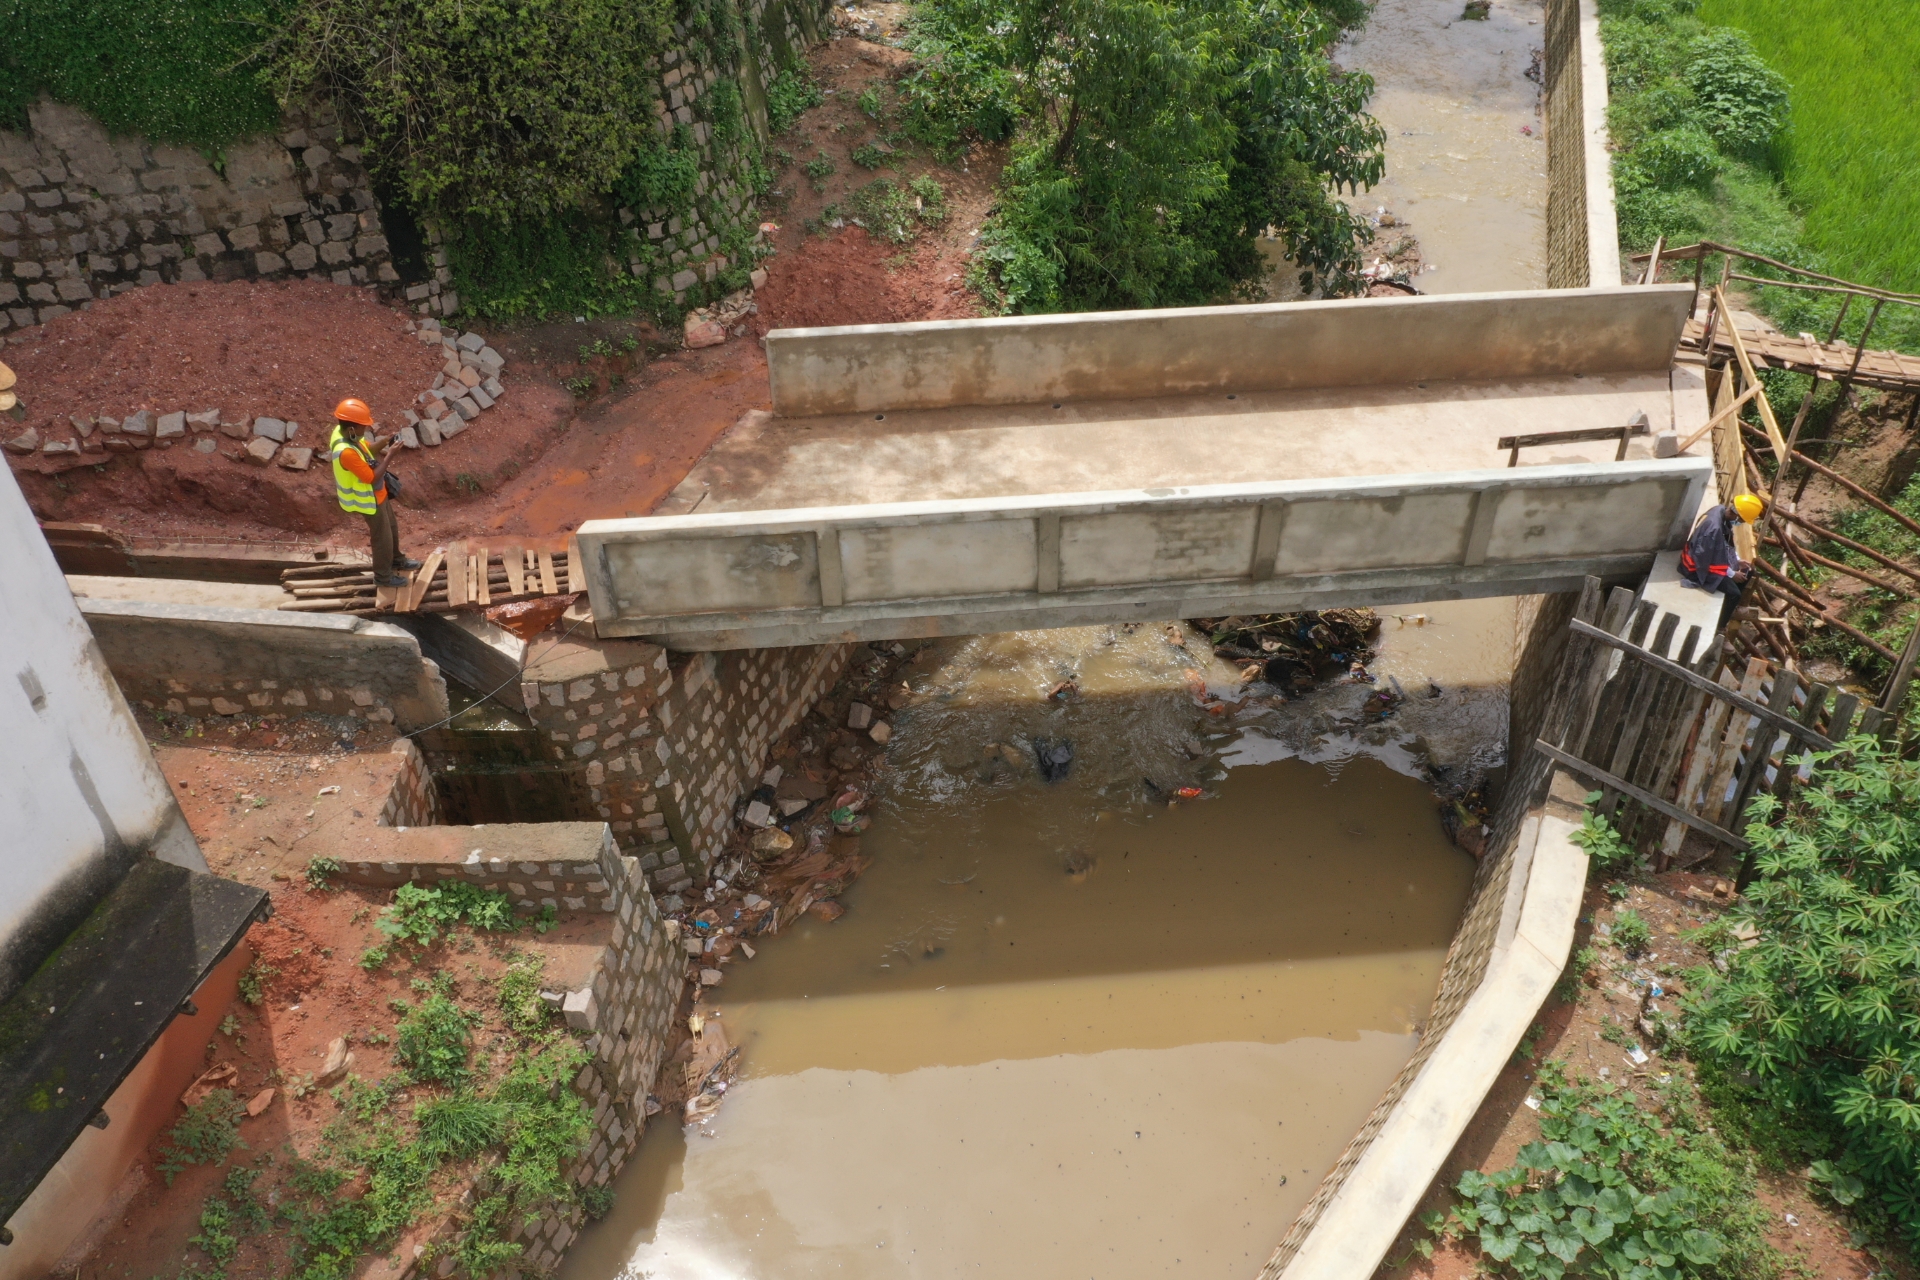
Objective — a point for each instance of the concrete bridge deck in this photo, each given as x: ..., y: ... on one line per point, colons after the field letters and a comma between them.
x: 969, y: 476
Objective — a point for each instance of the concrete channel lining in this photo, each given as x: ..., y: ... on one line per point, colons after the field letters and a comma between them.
x: 738, y: 579
x: 1354, y: 1228
x: 1346, y: 342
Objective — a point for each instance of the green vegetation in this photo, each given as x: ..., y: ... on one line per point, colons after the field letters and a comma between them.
x: 519, y: 995
x: 1631, y: 932
x: 791, y: 93
x: 321, y: 871
x: 253, y: 982
x: 1608, y: 856
x: 421, y: 915
x: 181, y: 72
x: 451, y: 114
x: 433, y: 1041
x: 1851, y: 154
x: 1701, y: 121
x: 1608, y: 1191
x: 894, y: 212
x: 1822, y: 1008
x: 1146, y: 164
x: 209, y: 1130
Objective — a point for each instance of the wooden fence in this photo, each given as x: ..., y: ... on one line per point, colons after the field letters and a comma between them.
x: 1676, y: 739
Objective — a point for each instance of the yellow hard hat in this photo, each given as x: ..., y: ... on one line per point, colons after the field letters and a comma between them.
x: 1749, y: 505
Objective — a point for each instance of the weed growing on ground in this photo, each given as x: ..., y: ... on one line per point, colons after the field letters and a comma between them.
x: 230, y: 1026
x: 253, y: 982
x: 820, y: 168
x: 434, y: 1040
x: 1631, y: 933
x: 1574, y: 977
x: 321, y: 871
x: 790, y: 95
x: 467, y: 483
x: 205, y: 1135
x: 1608, y: 856
x: 868, y: 155
x: 869, y: 102
x: 894, y: 212
x: 1607, y: 1191
x: 372, y: 958
x: 520, y: 1002
x: 421, y: 915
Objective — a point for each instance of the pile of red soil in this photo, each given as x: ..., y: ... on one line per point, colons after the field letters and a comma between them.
x: 290, y: 349
x: 845, y: 280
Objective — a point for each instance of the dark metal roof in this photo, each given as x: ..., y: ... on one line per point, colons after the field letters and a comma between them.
x: 71, y: 1034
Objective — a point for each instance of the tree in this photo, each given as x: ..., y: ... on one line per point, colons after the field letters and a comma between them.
x: 1157, y: 139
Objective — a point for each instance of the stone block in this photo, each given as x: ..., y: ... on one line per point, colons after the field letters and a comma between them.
x: 205, y: 444
x: 270, y: 429
x: 758, y: 277
x: 139, y: 423
x: 295, y: 458
x: 481, y: 398
x: 303, y: 257
x: 471, y: 342
x: 451, y: 369
x: 260, y: 451
x: 490, y: 360
x: 493, y: 388
x: 236, y: 426
x: 60, y: 447
x: 466, y: 408
x: 859, y: 716
x: 205, y: 420
x: 429, y: 434
x: 468, y: 377
x: 243, y: 238
x: 408, y: 437
x: 582, y: 1011
x: 169, y: 425
x: 451, y: 425
x: 27, y: 441
x: 758, y: 814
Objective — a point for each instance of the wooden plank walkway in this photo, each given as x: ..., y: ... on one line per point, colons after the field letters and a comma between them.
x: 1829, y: 361
x: 459, y: 576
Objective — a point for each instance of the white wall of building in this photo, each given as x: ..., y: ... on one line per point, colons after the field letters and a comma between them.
x: 80, y: 792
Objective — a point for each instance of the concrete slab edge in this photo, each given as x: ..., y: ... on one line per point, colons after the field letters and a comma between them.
x: 1359, y: 1225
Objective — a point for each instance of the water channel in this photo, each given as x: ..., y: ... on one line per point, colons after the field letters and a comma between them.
x: 1089, y: 1026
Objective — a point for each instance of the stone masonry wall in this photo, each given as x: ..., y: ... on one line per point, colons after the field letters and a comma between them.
x: 84, y: 215
x: 666, y: 743
x: 196, y: 661
x: 413, y: 802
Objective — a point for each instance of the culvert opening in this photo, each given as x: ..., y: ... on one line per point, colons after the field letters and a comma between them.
x: 1131, y: 1015
x: 489, y: 765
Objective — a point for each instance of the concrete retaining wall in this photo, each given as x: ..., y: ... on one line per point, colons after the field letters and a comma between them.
x: 965, y: 566
x: 191, y: 660
x: 1117, y: 355
x: 1583, y: 236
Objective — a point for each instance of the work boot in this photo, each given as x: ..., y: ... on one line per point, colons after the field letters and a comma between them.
x: 405, y: 562
x: 392, y: 579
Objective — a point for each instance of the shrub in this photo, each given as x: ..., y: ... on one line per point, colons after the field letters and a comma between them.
x: 1742, y: 100
x: 1631, y: 932
x: 1822, y: 1008
x: 1682, y: 157
x: 520, y: 1002
x: 433, y: 1041
x: 485, y: 108
x: 1608, y: 856
x: 321, y: 871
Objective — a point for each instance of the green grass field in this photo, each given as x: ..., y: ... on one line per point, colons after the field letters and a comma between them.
x: 1852, y: 152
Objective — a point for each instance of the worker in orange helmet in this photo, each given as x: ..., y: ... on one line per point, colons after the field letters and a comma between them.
x: 360, y: 482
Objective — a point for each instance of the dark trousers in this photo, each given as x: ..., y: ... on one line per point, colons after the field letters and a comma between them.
x: 385, y: 535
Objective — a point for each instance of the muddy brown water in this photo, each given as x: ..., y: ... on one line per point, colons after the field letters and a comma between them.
x: 1466, y: 146
x: 1084, y: 1027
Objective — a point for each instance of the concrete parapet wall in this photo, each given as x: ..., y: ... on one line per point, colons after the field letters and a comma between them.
x: 1583, y: 234
x: 1351, y: 342
x: 740, y: 579
x: 194, y: 660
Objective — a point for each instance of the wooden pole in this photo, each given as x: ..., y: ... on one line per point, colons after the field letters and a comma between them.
x: 1896, y: 690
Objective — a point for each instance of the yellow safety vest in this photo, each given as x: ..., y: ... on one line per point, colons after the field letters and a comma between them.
x: 356, y: 495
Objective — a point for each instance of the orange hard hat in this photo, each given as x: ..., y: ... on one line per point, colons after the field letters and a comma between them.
x: 351, y: 410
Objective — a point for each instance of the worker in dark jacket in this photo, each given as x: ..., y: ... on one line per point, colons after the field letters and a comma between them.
x: 1709, y: 560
